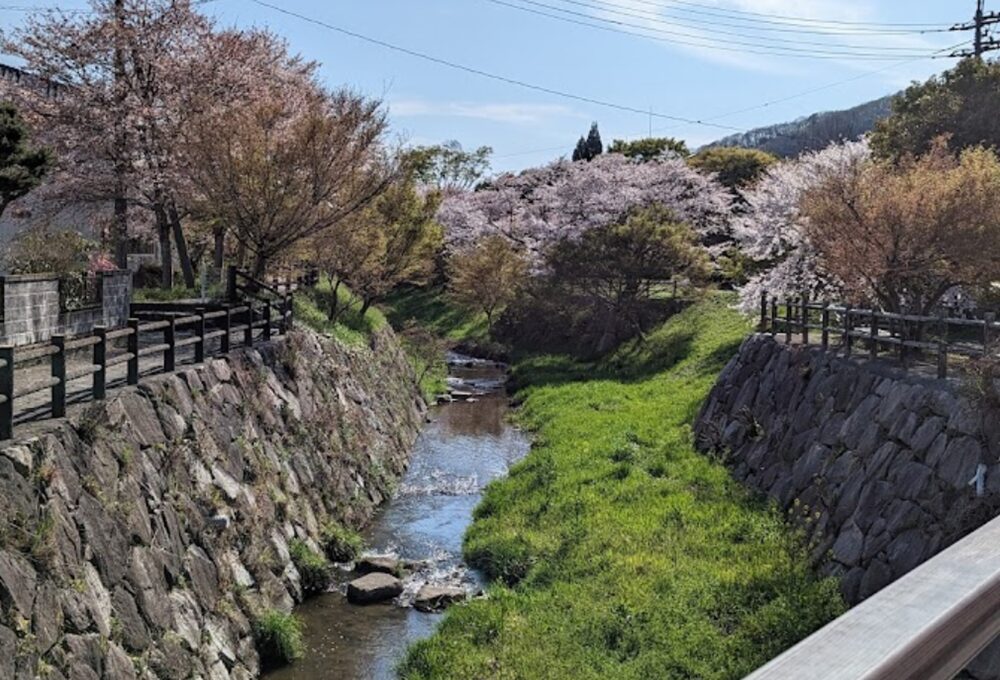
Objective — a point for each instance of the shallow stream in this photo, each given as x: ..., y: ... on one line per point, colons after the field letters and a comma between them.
x: 466, y: 444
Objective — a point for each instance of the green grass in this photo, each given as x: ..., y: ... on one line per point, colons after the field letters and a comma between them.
x: 617, y: 550
x: 279, y: 638
x: 350, y: 327
x: 179, y: 292
x: 431, y: 308
x: 314, y: 569
x: 339, y: 543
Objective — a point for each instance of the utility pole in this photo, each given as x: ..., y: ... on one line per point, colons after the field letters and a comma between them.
x: 982, y: 42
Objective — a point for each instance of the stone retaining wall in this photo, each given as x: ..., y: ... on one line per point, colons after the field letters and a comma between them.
x: 141, y: 537
x: 873, y: 463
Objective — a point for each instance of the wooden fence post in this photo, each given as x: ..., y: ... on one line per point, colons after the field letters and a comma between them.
x: 942, y: 359
x: 248, y: 331
x: 231, y: 293
x: 774, y: 317
x: 902, y: 331
x: 825, y: 322
x: 199, y: 348
x: 227, y: 329
x: 170, y: 339
x: 990, y: 318
x: 101, y: 362
x: 133, y: 349
x: 6, y: 392
x: 763, y: 311
x: 805, y: 319
x: 788, y: 321
x: 873, y: 334
x: 848, y: 329
x: 267, y: 320
x: 58, y: 364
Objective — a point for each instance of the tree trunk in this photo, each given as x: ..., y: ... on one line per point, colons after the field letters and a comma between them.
x: 259, y: 266
x: 365, y: 307
x: 219, y: 253
x: 119, y: 234
x: 187, y: 269
x: 120, y: 229
x: 166, y: 252
x: 334, y: 301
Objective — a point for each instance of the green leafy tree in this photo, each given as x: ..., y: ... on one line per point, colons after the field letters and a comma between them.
x: 448, y: 167
x: 393, y: 241
x: 961, y: 103
x: 650, y: 147
x: 589, y: 147
x: 21, y: 166
x: 735, y: 167
x: 488, y: 276
x: 604, y: 287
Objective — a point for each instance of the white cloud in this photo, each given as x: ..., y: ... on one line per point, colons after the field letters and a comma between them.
x: 683, y: 28
x: 509, y: 113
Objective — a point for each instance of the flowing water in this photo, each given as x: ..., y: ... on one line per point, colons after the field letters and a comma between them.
x: 467, y: 444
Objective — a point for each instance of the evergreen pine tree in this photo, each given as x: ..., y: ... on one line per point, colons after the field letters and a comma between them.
x: 595, y: 147
x: 580, y: 152
x: 21, y: 168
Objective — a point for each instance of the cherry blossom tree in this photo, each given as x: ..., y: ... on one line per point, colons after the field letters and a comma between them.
x: 900, y: 236
x: 128, y: 70
x: 771, y: 231
x: 290, y: 166
x: 563, y: 200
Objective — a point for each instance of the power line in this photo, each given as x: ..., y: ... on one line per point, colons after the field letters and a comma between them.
x: 764, y: 26
x: 755, y: 48
x: 715, y: 31
x: 980, y: 24
x: 486, y: 74
x: 769, y: 103
x: 779, y: 18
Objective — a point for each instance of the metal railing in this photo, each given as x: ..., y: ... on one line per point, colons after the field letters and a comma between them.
x: 234, y: 325
x: 909, y: 338
x: 928, y: 625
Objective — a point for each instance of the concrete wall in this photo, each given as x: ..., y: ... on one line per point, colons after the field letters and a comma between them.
x: 32, y: 312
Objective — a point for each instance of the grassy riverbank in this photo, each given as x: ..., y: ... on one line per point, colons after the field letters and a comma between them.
x: 618, y: 551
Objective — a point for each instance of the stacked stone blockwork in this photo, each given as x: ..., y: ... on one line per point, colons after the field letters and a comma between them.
x: 878, y: 466
x: 142, y: 537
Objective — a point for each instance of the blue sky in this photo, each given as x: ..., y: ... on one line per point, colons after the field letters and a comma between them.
x: 430, y: 103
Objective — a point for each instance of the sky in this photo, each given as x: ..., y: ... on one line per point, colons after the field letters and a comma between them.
x: 733, y: 64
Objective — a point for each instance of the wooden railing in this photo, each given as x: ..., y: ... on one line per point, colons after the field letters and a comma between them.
x: 909, y: 338
x: 162, y: 331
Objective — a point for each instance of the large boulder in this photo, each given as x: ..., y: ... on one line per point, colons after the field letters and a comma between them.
x: 432, y: 598
x: 377, y: 565
x: 375, y: 587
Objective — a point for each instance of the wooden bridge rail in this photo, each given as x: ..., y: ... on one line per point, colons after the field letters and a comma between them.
x: 910, y: 336
x: 266, y: 316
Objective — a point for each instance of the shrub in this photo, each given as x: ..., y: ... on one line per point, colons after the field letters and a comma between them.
x: 279, y: 638
x: 341, y: 544
x: 607, y: 286
x: 313, y: 567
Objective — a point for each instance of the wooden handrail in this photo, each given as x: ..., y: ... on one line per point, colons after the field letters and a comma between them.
x: 260, y: 317
x: 879, y: 330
